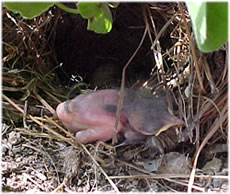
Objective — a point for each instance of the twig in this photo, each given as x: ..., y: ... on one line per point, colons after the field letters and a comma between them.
x: 157, y: 52
x: 33, y: 181
x: 61, y: 185
x: 44, y: 102
x: 208, y: 74
x: 192, y: 49
x: 164, y: 176
x: 219, y: 122
x: 202, y: 189
x: 24, y: 115
x: 120, y: 101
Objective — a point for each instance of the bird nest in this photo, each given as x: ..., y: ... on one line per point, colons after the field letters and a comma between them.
x: 52, y: 57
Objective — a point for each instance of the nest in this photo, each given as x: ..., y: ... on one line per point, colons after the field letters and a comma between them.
x: 39, y: 154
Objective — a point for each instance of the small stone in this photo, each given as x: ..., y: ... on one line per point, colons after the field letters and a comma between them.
x: 213, y: 166
x: 14, y: 137
x: 4, y: 149
x: 175, y: 163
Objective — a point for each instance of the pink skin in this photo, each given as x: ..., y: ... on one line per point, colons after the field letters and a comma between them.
x: 87, y: 115
x: 92, y: 116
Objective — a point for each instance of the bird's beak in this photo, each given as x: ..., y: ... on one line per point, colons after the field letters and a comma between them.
x: 170, y: 121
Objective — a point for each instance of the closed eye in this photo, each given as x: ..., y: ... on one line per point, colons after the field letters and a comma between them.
x: 110, y: 108
x: 66, y: 106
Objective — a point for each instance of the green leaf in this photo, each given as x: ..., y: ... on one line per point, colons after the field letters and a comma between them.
x: 98, y: 15
x: 88, y: 10
x: 210, y: 23
x: 28, y: 10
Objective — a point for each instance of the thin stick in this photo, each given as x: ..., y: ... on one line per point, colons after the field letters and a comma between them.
x: 223, y: 117
x: 192, y: 49
x: 120, y: 101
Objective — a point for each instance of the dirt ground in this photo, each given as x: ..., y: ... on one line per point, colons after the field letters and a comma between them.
x: 54, y: 57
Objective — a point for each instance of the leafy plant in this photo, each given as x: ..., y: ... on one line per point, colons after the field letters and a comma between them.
x: 210, y: 23
x: 28, y: 10
x: 98, y: 14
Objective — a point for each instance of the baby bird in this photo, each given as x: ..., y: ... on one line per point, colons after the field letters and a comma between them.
x: 92, y: 116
